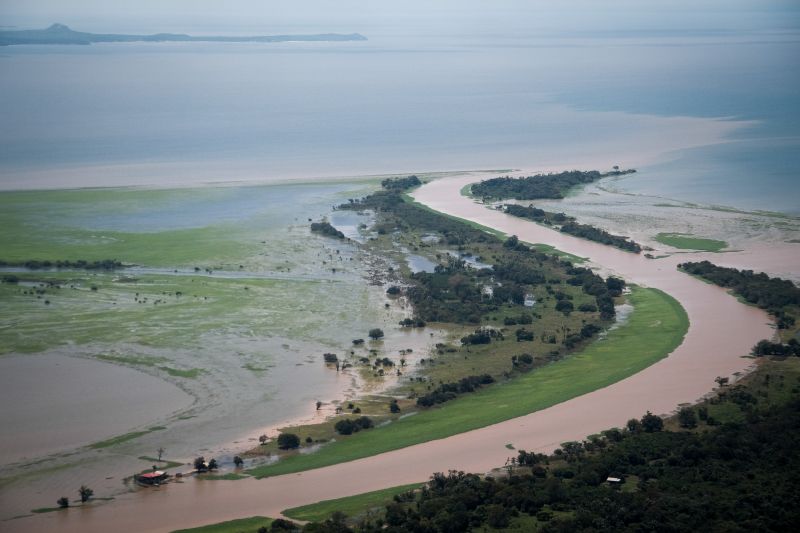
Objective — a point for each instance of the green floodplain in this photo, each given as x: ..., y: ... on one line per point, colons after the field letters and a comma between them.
x: 239, y: 525
x: 226, y: 294
x: 206, y: 261
x: 350, y: 505
x: 653, y: 330
x: 685, y: 241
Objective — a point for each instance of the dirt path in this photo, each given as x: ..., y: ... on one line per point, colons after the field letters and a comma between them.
x: 721, y: 331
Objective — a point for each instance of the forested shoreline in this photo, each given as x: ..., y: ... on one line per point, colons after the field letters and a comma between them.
x: 540, y: 186
x: 568, y: 224
x: 552, y: 186
x: 779, y: 297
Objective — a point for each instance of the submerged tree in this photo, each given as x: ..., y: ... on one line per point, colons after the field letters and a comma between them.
x: 85, y: 493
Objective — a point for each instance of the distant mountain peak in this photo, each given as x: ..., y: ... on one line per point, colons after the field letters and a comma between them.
x: 58, y: 27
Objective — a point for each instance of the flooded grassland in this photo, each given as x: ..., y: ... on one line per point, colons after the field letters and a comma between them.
x: 212, y: 334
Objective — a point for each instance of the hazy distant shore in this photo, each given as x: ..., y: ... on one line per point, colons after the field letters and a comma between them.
x: 61, y: 34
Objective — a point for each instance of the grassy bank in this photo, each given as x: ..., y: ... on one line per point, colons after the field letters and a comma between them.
x: 352, y: 506
x: 686, y: 241
x: 655, y: 328
x: 231, y: 526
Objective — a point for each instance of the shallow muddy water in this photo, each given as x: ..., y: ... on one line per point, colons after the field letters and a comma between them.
x: 54, y: 403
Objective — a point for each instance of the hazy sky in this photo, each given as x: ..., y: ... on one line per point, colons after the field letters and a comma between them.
x: 359, y: 15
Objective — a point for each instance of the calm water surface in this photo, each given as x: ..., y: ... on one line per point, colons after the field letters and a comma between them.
x: 503, y: 94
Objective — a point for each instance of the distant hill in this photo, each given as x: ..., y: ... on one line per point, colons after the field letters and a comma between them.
x: 61, y: 34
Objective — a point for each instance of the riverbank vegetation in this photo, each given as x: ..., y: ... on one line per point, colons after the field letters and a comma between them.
x: 325, y: 228
x: 80, y: 264
x: 552, y: 186
x: 779, y: 297
x: 360, y: 504
x: 567, y: 224
x: 539, y: 186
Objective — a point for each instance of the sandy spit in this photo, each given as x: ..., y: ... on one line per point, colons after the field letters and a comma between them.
x: 721, y: 332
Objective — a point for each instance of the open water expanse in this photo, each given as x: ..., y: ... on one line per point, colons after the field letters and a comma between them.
x: 706, y: 101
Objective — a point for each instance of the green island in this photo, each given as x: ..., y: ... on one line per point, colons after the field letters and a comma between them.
x: 568, y: 224
x: 540, y: 186
x: 506, y: 349
x: 686, y: 241
x: 551, y: 186
x: 779, y: 297
x: 685, y: 473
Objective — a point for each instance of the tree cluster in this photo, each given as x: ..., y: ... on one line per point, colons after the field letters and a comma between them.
x: 539, y: 186
x: 570, y: 225
x: 772, y: 294
x: 325, y: 228
x: 33, y: 264
x: 765, y: 347
x: 401, y: 184
x: 449, y: 391
x: 481, y: 336
x: 348, y: 426
x: 288, y: 441
x: 740, y: 477
x: 592, y: 233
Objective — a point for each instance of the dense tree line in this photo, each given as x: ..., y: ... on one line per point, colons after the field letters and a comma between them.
x: 592, y: 233
x: 765, y: 347
x: 449, y: 391
x: 325, y: 228
x: 771, y: 294
x: 348, y: 426
x: 570, y: 225
x: 534, y: 213
x: 33, y: 264
x: 739, y: 477
x: 539, y: 186
x: 401, y: 184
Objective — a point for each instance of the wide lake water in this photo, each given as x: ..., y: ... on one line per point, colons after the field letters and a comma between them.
x: 706, y: 101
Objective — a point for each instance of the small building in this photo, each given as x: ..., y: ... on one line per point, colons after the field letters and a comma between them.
x: 529, y: 301
x: 155, y: 478
x: 613, y: 480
